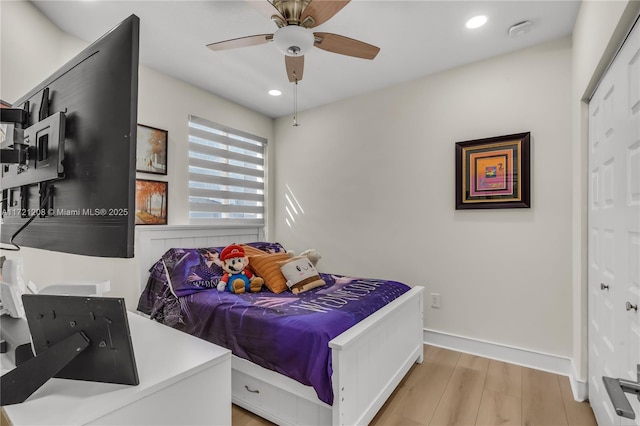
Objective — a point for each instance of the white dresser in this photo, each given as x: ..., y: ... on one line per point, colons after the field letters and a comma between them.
x: 183, y: 380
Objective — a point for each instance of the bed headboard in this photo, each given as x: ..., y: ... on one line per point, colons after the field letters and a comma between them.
x: 153, y: 241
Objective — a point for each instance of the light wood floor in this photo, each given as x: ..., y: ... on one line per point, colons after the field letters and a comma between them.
x: 452, y: 388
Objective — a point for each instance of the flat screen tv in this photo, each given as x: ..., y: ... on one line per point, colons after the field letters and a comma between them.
x: 68, y: 162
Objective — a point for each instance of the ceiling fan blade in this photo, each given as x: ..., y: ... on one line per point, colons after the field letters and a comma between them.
x: 234, y: 43
x: 345, y: 46
x: 267, y: 9
x: 295, y: 67
x: 320, y: 11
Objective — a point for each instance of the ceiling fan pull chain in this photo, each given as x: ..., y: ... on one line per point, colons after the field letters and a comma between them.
x: 295, y: 102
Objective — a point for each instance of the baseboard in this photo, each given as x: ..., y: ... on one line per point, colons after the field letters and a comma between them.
x: 524, y: 357
x: 579, y: 387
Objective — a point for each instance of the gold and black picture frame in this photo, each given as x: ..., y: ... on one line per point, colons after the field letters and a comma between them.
x: 494, y: 173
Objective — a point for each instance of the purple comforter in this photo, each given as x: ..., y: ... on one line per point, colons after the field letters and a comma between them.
x: 283, y: 332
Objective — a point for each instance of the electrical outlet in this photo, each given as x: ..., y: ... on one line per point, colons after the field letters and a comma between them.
x: 435, y: 300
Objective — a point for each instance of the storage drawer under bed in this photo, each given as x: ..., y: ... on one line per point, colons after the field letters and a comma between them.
x: 282, y: 406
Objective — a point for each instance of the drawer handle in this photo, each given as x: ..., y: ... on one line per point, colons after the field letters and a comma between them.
x: 604, y: 287
x: 629, y: 307
x: 251, y: 390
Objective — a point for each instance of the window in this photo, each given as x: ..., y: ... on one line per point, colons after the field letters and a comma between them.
x: 226, y: 174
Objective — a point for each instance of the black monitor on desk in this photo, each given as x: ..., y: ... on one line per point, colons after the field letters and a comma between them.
x: 73, y: 337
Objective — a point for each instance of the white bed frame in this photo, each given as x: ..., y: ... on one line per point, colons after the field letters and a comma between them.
x: 369, y: 360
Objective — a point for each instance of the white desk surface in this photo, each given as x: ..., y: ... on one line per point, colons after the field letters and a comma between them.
x: 163, y: 356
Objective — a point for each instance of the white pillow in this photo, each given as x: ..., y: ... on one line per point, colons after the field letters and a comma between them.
x: 300, y: 274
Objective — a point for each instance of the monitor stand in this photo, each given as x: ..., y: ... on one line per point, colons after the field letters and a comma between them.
x: 18, y: 384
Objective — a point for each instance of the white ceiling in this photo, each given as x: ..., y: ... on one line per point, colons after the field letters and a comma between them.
x: 416, y: 38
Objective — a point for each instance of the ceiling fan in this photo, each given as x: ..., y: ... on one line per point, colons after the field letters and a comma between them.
x: 294, y: 38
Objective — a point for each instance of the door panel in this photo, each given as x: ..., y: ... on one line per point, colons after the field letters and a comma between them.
x: 614, y: 230
x: 630, y: 151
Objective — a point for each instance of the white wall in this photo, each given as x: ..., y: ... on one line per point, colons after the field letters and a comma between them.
x: 599, y: 30
x: 166, y: 103
x: 30, y: 53
x: 375, y: 178
x: 163, y: 102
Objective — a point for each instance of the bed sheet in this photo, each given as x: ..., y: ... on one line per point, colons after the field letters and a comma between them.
x: 283, y: 332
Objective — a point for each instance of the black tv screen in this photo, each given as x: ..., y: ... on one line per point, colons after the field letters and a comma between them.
x: 80, y: 187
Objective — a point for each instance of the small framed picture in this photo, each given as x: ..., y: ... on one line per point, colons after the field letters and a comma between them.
x: 493, y: 173
x: 151, y: 156
x: 152, y: 197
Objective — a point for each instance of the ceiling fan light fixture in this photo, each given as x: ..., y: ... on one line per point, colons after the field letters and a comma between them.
x: 293, y: 40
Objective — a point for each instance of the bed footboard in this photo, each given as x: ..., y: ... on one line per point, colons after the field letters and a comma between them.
x: 369, y: 361
x: 371, y: 358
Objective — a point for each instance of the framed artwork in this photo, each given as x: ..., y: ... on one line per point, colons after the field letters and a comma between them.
x: 493, y: 173
x: 152, y: 198
x: 151, y: 156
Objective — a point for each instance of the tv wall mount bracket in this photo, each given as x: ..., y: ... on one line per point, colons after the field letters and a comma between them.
x: 32, y: 154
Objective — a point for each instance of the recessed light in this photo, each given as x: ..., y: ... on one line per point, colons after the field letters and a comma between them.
x: 476, y: 21
x: 275, y: 92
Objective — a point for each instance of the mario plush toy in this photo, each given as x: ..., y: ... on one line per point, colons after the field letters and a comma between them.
x: 237, y: 277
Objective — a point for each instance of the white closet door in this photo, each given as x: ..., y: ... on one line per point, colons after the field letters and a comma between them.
x: 614, y: 230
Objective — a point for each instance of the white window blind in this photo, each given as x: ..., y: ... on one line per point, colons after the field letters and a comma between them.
x: 226, y: 174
